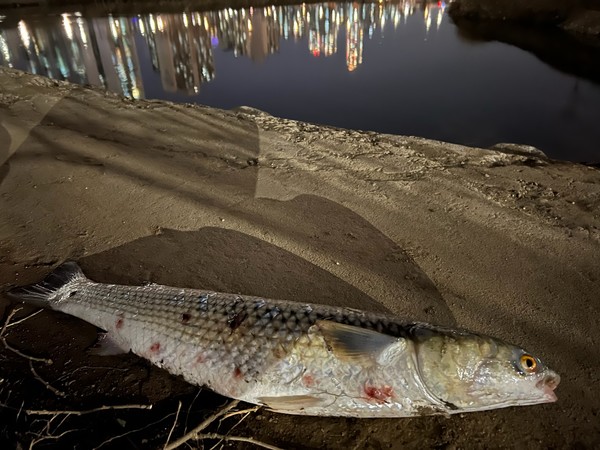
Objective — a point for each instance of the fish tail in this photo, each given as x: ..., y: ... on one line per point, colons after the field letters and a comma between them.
x: 51, y: 289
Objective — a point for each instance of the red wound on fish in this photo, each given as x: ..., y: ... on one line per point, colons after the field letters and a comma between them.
x: 308, y: 380
x: 155, y: 348
x: 119, y: 323
x: 381, y: 394
x: 237, y: 373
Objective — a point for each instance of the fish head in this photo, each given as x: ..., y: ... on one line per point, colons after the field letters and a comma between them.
x: 470, y: 372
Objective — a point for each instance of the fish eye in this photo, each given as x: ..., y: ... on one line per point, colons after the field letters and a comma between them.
x: 528, y: 363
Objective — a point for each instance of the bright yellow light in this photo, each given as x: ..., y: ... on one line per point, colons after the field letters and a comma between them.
x: 24, y: 34
x: 4, y: 50
x: 67, y: 26
x: 113, y: 29
x: 82, y: 32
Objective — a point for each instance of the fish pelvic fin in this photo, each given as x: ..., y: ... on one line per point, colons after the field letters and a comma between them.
x: 288, y: 403
x: 49, y: 290
x: 106, y: 345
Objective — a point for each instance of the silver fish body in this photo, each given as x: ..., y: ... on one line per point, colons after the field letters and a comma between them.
x: 302, y: 358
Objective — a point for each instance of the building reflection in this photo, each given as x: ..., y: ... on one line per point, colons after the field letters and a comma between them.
x: 107, y: 51
x: 180, y: 50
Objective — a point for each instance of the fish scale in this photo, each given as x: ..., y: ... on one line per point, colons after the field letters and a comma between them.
x: 299, y: 358
x: 158, y: 310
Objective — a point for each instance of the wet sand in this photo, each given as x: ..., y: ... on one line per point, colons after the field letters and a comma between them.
x: 503, y: 242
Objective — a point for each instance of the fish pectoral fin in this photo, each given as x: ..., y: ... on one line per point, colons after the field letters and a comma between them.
x: 356, y: 343
x: 106, y: 346
x: 290, y: 402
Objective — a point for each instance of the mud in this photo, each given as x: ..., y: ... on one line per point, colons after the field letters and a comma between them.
x: 501, y: 241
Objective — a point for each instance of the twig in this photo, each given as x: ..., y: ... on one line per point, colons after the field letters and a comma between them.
x: 12, y: 324
x: 133, y: 431
x: 216, y: 445
x: 187, y: 416
x: 8, y: 319
x: 59, y: 424
x: 23, y: 355
x: 5, y: 406
x: 48, y: 437
x: 226, y: 438
x: 20, y: 410
x: 44, y: 412
x: 10, y: 347
x: 241, y: 420
x: 174, y: 424
x: 192, y: 434
x: 245, y: 412
x: 44, y: 382
x: 241, y: 411
x: 47, y: 434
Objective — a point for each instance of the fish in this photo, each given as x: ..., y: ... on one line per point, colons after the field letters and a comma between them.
x: 301, y: 358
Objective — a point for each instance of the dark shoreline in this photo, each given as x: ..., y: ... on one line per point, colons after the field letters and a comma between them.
x: 578, y: 17
x: 563, y: 51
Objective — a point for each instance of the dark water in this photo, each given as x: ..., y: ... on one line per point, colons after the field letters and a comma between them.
x: 394, y: 67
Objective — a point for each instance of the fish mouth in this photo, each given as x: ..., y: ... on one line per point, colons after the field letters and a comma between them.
x: 548, y: 384
x: 550, y: 396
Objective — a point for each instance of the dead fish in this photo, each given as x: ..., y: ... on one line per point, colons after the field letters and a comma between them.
x: 301, y: 358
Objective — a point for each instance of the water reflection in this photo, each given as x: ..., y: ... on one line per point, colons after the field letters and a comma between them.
x: 563, y: 51
x: 106, y: 51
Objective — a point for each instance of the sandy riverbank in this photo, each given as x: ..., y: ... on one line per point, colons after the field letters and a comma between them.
x: 504, y: 242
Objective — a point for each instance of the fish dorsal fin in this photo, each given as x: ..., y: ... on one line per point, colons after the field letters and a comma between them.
x: 348, y: 342
x: 290, y: 402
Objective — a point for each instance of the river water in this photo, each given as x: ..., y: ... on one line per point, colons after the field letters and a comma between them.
x: 393, y: 67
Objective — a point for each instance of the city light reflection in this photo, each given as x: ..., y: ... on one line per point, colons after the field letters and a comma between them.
x: 104, y: 51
